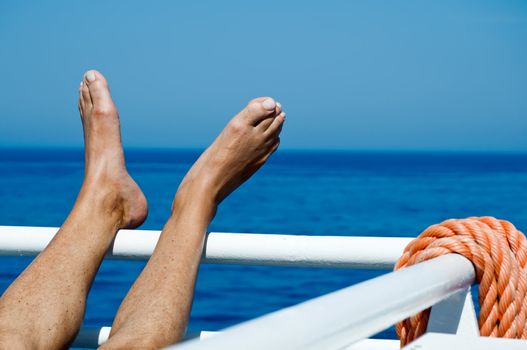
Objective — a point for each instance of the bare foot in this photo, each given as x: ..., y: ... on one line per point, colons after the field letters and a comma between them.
x: 105, y: 170
x: 239, y: 151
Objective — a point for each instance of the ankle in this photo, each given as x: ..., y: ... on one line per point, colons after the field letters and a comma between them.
x: 104, y: 198
x: 196, y: 199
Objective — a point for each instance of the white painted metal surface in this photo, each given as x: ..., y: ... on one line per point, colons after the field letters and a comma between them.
x: 436, y: 341
x: 91, y: 337
x: 339, y: 320
x: 455, y: 315
x: 375, y: 344
x: 235, y: 248
x: 94, y: 337
x: 342, y: 318
x: 365, y: 344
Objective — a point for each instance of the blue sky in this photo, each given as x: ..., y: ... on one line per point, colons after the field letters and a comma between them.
x: 396, y: 75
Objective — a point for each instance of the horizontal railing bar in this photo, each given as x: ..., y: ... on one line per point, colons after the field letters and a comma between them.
x: 235, y: 248
x: 342, y: 318
x: 441, y: 341
x: 93, y: 337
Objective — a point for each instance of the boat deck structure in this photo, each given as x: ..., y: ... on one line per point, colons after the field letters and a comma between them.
x: 344, y: 319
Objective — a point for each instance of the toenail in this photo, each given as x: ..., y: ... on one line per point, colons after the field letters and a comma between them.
x: 269, y: 104
x: 90, y: 76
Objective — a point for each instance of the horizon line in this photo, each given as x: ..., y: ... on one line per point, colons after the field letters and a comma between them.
x: 287, y: 149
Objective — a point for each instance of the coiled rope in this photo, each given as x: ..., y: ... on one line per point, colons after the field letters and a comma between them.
x: 498, y: 252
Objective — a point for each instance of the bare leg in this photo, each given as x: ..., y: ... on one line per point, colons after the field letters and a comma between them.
x: 44, y: 307
x: 155, y: 312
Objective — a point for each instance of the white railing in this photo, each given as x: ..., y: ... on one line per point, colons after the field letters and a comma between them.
x: 93, y: 337
x: 235, y: 248
x: 342, y: 318
x: 334, y: 321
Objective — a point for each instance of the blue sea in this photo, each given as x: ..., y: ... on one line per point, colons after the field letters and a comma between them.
x: 297, y: 192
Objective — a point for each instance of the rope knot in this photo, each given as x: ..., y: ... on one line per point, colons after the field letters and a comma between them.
x: 498, y: 252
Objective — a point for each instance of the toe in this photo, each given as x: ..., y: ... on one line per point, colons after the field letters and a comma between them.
x: 93, y: 75
x: 84, y: 98
x: 276, y: 126
x: 265, y: 124
x: 258, y: 110
x: 273, y: 146
x: 98, y: 90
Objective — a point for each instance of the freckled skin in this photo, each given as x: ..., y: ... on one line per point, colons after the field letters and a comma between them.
x: 44, y: 307
x: 247, y: 141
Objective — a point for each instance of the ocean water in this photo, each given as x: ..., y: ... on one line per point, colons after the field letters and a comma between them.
x: 312, y: 193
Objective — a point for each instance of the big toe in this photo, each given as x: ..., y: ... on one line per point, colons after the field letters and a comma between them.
x: 259, y: 109
x: 98, y: 87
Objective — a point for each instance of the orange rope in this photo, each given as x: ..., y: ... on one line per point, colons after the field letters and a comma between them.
x: 499, y: 254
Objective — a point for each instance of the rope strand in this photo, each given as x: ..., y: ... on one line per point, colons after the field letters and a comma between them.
x: 498, y: 252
